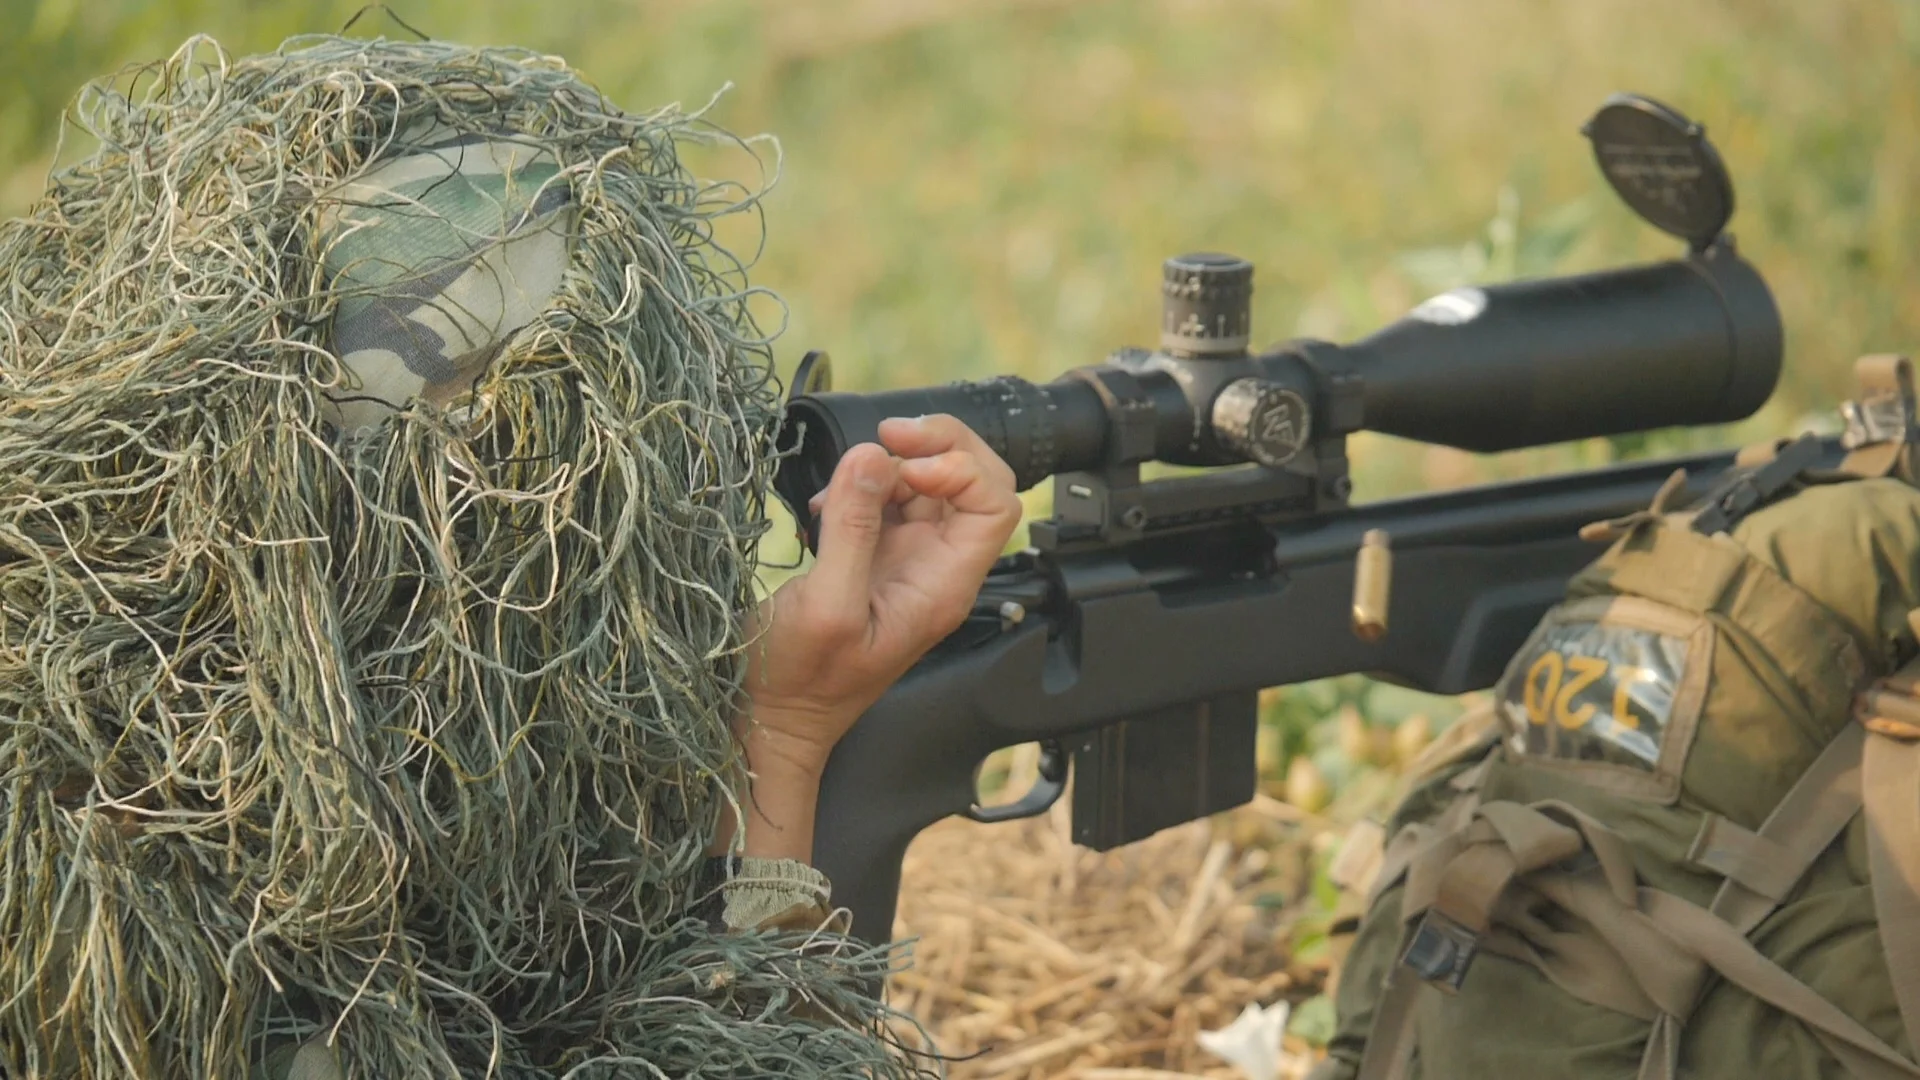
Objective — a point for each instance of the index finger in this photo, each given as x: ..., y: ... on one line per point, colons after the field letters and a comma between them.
x: 931, y: 436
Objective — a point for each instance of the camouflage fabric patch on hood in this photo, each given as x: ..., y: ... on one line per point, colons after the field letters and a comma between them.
x: 439, y: 254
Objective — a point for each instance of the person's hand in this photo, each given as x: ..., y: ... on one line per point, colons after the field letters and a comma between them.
x: 905, y: 542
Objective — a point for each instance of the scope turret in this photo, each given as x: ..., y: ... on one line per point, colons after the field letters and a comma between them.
x: 1206, y: 306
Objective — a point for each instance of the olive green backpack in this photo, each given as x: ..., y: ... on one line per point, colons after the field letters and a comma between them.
x: 1686, y: 841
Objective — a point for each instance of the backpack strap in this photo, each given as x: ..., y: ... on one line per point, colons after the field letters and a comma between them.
x: 1815, y: 811
x: 1620, y: 945
x: 1730, y: 955
x: 1407, y: 842
x: 1873, y: 764
x: 1893, y: 851
x: 1389, y: 1046
x: 1389, y: 1050
x: 1889, y: 717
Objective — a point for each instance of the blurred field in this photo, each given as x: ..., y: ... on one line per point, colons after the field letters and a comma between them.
x: 979, y: 186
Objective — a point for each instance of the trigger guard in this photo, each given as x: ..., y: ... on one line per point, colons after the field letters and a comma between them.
x: 1045, y: 792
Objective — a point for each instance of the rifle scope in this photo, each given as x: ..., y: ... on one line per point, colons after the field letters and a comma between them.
x: 1689, y: 341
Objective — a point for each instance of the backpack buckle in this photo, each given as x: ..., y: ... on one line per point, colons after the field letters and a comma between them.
x: 1440, y: 951
x: 1891, y: 706
x: 1743, y: 492
x: 1884, y: 411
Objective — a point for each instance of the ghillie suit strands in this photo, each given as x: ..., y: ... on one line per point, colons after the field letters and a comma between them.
x: 382, y: 446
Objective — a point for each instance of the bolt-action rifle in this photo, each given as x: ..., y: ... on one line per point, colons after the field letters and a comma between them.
x: 1132, y: 639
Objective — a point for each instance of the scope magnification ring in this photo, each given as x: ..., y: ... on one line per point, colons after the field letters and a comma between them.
x: 1021, y: 419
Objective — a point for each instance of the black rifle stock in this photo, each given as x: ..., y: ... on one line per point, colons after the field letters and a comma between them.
x: 1132, y: 639
x: 1157, y: 647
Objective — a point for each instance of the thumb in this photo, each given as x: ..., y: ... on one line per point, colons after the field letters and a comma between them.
x: 850, y: 523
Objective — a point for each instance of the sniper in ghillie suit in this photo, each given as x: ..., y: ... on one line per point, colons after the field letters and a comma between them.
x: 383, y: 441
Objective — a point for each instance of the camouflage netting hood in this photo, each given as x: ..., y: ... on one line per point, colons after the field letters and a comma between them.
x: 382, y: 446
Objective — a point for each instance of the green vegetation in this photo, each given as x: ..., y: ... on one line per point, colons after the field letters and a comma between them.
x: 977, y: 186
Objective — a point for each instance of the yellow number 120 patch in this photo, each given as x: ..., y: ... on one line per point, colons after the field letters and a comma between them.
x: 1591, y: 691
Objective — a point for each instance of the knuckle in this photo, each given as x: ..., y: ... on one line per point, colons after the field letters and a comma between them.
x: 962, y: 462
x: 859, y: 451
x: 993, y: 468
x: 954, y: 432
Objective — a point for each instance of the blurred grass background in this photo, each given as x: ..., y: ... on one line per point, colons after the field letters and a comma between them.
x: 982, y: 186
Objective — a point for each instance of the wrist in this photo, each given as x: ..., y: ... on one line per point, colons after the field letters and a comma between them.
x: 778, y: 748
x: 783, y: 794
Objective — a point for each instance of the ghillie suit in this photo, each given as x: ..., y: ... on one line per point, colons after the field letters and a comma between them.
x: 382, y: 448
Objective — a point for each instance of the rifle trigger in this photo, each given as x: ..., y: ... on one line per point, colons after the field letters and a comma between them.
x: 1046, y: 790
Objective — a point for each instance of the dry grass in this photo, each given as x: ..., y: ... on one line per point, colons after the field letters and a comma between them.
x: 1037, y: 958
